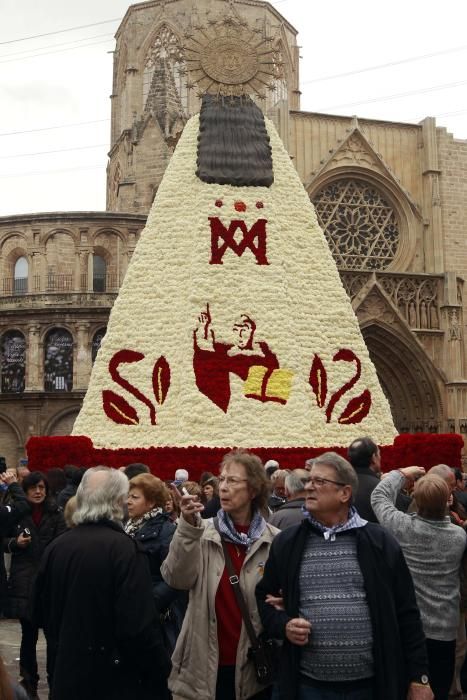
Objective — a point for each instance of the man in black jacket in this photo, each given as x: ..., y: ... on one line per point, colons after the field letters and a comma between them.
x: 337, y: 590
x: 365, y: 458
x: 94, y: 600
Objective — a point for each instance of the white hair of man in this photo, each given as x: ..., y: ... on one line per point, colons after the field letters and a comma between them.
x: 181, y: 475
x: 279, y: 475
x: 442, y: 470
x: 293, y: 484
x: 101, y: 496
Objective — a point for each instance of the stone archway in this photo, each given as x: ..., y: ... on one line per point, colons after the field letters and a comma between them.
x: 9, y: 443
x: 63, y: 423
x: 408, y: 381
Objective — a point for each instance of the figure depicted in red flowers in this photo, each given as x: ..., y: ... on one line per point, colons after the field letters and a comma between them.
x: 213, y: 362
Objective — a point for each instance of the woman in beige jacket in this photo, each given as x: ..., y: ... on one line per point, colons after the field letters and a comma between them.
x: 210, y: 661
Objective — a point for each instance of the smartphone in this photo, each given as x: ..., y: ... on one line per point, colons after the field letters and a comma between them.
x: 26, y: 532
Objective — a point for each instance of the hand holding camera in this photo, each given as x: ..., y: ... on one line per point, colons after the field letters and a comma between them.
x: 8, y: 477
x: 24, y: 538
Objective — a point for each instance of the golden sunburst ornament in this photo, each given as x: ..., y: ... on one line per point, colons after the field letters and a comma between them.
x: 229, y: 58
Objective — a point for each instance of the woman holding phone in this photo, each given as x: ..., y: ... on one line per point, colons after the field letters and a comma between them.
x: 211, y: 656
x: 26, y: 543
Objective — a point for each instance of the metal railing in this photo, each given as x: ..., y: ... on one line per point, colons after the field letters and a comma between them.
x: 53, y: 283
x: 19, y: 285
x: 59, y: 283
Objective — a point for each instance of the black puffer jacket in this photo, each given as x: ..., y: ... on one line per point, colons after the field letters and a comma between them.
x: 154, y: 538
x: 25, y: 561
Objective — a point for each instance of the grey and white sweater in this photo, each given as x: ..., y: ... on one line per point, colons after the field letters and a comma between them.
x: 433, y: 550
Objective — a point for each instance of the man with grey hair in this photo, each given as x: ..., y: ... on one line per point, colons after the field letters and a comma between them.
x: 445, y: 473
x: 336, y: 589
x: 94, y: 600
x: 291, y: 512
x: 277, y: 497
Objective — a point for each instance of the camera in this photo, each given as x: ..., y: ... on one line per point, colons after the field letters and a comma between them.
x: 2, y: 465
x: 26, y: 532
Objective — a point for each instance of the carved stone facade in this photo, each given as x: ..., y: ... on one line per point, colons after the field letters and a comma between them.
x: 54, y: 308
x: 391, y: 198
x: 154, y: 93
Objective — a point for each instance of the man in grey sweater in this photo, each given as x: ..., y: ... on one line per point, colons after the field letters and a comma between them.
x: 433, y: 549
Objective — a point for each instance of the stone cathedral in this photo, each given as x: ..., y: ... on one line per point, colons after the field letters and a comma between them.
x: 390, y: 197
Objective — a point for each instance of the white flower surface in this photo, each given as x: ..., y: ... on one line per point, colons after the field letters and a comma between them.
x: 297, y: 302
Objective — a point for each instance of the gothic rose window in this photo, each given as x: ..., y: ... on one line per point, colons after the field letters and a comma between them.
x: 359, y: 223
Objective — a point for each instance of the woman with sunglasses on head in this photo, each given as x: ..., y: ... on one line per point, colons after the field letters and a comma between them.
x: 211, y: 657
x: 26, y: 544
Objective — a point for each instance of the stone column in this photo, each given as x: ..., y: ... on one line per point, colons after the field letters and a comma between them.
x: 451, y: 312
x: 83, y: 366
x: 34, y: 360
x: 77, y: 272
x: 43, y: 270
x: 432, y: 198
x: 90, y: 271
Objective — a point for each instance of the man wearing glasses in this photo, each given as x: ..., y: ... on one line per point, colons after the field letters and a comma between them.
x: 337, y: 590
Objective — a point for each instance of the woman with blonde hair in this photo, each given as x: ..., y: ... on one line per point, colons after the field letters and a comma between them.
x: 211, y: 658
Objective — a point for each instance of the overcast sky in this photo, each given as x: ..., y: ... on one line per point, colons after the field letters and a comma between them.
x: 65, y: 78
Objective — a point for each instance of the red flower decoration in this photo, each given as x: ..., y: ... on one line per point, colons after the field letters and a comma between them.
x: 118, y: 409
x: 123, y: 357
x: 357, y: 409
x: 318, y: 381
x: 161, y: 379
x: 240, y: 206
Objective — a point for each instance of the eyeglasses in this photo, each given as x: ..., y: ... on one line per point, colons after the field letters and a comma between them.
x: 319, y: 482
x: 230, y: 481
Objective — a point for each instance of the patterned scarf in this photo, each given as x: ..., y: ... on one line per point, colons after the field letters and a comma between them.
x: 329, y: 533
x: 229, y: 533
x: 134, y: 524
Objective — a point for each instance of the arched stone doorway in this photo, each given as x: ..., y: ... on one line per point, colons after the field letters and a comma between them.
x: 408, y: 380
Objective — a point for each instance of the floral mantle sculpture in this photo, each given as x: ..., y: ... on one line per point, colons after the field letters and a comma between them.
x: 232, y: 327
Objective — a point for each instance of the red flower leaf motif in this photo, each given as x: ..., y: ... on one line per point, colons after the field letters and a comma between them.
x: 118, y: 409
x: 318, y: 381
x: 347, y: 356
x: 161, y: 379
x: 357, y: 409
x: 124, y: 357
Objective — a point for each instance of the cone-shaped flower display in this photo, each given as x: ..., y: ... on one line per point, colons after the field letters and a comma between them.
x: 232, y: 327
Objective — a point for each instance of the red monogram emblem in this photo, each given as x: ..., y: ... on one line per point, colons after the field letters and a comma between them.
x: 223, y: 238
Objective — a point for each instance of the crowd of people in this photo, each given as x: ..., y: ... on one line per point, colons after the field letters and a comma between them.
x: 329, y: 582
